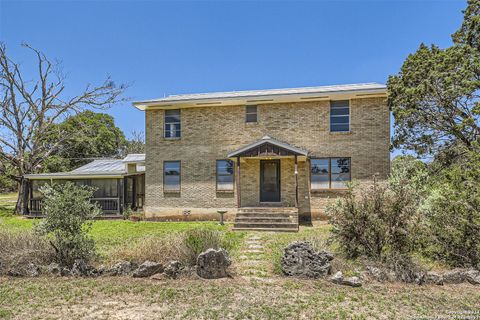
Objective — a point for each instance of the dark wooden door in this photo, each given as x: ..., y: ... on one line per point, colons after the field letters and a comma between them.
x: 269, y: 180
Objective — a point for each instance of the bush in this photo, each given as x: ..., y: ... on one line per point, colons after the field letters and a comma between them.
x: 182, y: 246
x: 380, y: 221
x: 452, y: 212
x: 17, y: 248
x: 68, y: 219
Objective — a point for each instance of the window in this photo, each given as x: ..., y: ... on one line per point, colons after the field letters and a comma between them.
x: 172, y: 124
x: 251, y: 114
x: 329, y: 173
x: 105, y: 188
x: 171, y: 176
x: 339, y: 116
x: 225, y: 170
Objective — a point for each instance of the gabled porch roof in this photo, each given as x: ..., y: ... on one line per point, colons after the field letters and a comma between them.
x: 267, y: 146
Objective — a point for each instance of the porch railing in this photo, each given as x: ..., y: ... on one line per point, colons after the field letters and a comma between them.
x: 108, y: 205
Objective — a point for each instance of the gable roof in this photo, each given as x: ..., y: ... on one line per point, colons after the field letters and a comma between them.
x: 264, y: 96
x: 268, y: 140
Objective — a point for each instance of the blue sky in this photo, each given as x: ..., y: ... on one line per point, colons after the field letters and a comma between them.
x: 163, y: 48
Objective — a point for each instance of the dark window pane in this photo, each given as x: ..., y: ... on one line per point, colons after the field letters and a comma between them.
x: 172, y: 126
x: 339, y: 116
x: 172, y: 119
x: 339, y: 111
x: 339, y: 104
x: 339, y: 120
x: 106, y: 188
x: 251, y: 114
x: 339, y: 127
x: 175, y: 112
x: 251, y: 118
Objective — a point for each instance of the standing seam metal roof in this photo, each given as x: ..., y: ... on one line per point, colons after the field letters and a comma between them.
x: 269, y: 92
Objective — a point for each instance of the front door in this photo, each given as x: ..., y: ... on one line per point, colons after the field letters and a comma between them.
x: 269, y: 180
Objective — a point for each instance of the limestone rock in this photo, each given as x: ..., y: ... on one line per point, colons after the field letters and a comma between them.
x: 213, y: 264
x: 299, y: 259
x: 81, y: 268
x: 380, y: 274
x: 173, y: 269
x: 24, y: 270
x: 122, y: 268
x: 433, y: 278
x: 338, y: 278
x: 454, y: 277
x: 147, y: 269
x: 472, y: 276
x: 54, y: 269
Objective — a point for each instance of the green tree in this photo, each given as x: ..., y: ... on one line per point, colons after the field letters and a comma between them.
x: 32, y: 102
x: 435, y: 96
x: 68, y: 220
x: 90, y: 135
x: 452, y: 212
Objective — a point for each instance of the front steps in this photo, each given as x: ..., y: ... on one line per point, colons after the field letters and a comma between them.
x: 278, y: 219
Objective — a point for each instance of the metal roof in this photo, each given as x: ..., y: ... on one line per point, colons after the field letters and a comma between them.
x: 107, y: 165
x: 267, y: 139
x: 96, y: 168
x: 268, y: 92
x: 134, y: 157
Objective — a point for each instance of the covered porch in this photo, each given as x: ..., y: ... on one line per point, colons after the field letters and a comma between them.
x: 119, y: 185
x: 270, y: 177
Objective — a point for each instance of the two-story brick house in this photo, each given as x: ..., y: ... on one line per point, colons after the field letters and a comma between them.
x: 262, y: 155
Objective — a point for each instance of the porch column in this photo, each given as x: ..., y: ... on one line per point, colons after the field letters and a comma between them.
x: 296, y: 182
x: 238, y: 182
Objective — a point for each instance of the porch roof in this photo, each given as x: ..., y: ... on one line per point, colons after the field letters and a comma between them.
x: 100, y: 168
x: 265, y: 141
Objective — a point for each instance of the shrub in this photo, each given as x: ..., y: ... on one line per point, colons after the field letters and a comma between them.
x: 68, y: 213
x: 17, y: 248
x: 453, y: 215
x: 380, y: 221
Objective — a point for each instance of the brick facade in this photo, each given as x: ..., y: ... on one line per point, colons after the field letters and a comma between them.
x: 210, y: 133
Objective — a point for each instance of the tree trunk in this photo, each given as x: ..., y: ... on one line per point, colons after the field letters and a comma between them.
x: 22, y: 201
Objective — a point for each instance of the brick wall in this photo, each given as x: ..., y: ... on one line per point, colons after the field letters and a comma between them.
x: 210, y: 133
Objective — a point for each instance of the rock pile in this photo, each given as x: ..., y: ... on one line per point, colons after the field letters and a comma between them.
x: 299, y: 259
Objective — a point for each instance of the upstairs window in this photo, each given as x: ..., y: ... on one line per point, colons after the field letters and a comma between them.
x: 329, y: 173
x: 172, y: 124
x: 339, y: 116
x: 251, y: 114
x: 171, y: 176
x: 225, y: 175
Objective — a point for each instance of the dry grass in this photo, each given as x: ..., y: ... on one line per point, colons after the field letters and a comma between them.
x: 21, y: 248
x: 183, y: 246
x: 237, y: 298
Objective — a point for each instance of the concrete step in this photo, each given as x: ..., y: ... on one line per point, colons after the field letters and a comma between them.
x: 265, y: 214
x: 262, y: 219
x: 267, y: 229
x: 268, y: 209
x: 273, y: 225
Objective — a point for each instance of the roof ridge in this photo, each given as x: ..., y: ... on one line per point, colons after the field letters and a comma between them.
x: 274, y: 89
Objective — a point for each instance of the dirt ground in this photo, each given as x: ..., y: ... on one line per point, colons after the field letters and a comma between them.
x: 232, y: 298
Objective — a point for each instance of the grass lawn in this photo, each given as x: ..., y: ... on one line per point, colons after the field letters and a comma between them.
x: 269, y: 297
